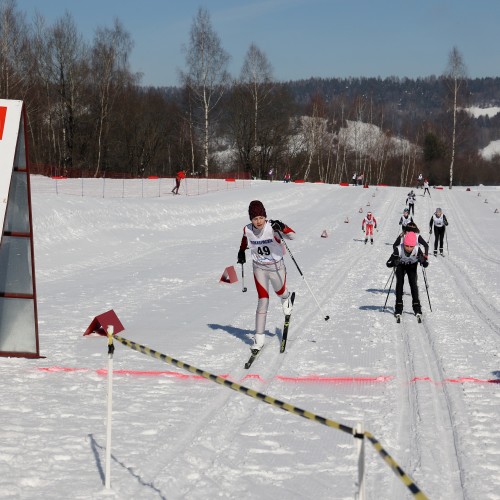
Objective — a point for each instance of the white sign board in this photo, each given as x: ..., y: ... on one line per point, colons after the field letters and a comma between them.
x: 18, y: 311
x: 10, y: 118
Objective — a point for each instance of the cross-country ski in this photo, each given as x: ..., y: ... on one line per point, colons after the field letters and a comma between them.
x: 288, y: 314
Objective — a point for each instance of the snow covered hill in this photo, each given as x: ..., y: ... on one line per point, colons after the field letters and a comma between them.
x: 430, y: 393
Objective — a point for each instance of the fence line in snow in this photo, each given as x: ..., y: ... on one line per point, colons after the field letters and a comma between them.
x: 102, y: 187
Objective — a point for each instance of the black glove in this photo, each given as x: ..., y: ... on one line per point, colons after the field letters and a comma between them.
x: 277, y: 225
x: 423, y: 260
x: 241, y: 257
x: 393, y: 261
x: 430, y: 231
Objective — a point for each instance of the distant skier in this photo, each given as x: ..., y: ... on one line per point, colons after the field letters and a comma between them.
x: 426, y: 188
x: 405, y: 219
x: 420, y: 179
x: 178, y: 178
x: 439, y: 222
x: 263, y: 238
x: 354, y: 178
x: 405, y: 261
x: 410, y: 201
x: 369, y: 223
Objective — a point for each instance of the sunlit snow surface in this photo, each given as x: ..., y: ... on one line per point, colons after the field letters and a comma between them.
x: 429, y: 392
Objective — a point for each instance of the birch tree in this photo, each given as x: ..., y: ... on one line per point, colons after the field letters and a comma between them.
x: 62, y: 67
x: 206, y: 75
x: 455, y: 76
x: 13, y: 42
x: 109, y: 64
x: 256, y: 76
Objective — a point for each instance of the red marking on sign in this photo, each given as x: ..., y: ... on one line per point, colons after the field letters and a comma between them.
x: 3, y: 114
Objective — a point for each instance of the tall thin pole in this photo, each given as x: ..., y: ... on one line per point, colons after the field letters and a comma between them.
x: 111, y: 349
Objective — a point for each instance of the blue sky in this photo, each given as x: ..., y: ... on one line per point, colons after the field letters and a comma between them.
x: 301, y: 38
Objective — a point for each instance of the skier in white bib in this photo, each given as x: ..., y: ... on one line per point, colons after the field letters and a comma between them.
x: 368, y: 225
x: 405, y: 259
x: 426, y: 187
x: 405, y: 219
x: 439, y: 222
x: 263, y: 238
x: 410, y: 201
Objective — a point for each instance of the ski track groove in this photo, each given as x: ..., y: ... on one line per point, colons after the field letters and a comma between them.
x: 409, y: 412
x: 441, y: 391
x: 209, y: 427
x: 227, y: 414
x: 465, y: 232
x: 486, y: 310
x: 424, y: 355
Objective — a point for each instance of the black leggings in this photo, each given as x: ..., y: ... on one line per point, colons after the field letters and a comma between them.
x: 411, y: 271
x: 439, y: 235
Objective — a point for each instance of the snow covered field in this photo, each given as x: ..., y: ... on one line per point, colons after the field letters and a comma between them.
x: 430, y: 393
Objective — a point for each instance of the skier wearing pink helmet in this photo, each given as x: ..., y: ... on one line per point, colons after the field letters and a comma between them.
x: 405, y: 260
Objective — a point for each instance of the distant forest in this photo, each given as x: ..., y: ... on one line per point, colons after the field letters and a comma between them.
x: 89, y: 115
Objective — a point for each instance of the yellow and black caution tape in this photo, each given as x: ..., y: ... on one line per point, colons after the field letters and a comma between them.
x: 407, y: 480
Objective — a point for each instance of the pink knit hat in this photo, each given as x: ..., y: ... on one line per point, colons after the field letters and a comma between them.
x: 410, y: 239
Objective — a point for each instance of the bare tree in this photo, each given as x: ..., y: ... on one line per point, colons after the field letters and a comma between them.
x: 455, y: 76
x: 109, y: 65
x: 256, y: 76
x: 62, y: 59
x: 206, y: 76
x: 13, y: 41
x: 316, y: 136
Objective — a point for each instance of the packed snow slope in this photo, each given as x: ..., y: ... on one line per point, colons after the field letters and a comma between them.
x: 429, y: 392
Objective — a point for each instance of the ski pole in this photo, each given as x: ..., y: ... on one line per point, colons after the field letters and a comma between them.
x: 446, y: 236
x: 303, y: 277
x: 427, y: 287
x: 243, y: 287
x: 387, y: 282
x: 390, y: 288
